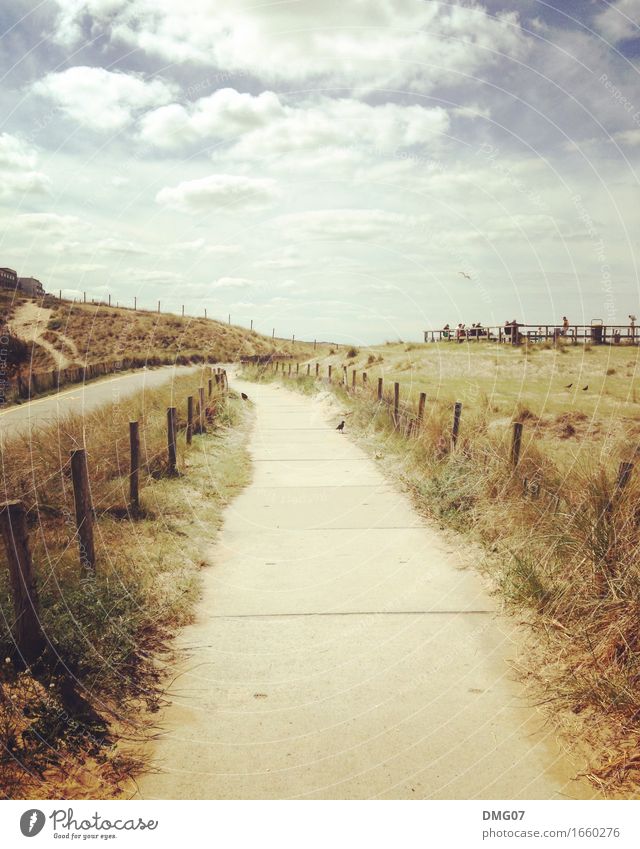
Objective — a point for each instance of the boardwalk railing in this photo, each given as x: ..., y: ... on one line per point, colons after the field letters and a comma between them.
x: 596, y: 334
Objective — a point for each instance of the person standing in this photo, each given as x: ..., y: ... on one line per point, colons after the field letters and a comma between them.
x: 565, y: 325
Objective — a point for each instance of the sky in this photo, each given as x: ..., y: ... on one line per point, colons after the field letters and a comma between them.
x: 326, y: 168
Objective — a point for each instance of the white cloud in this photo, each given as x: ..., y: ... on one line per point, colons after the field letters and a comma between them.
x: 200, y: 246
x: 218, y: 191
x: 344, y: 224
x: 48, y: 222
x: 101, y: 99
x: 263, y: 126
x: 629, y: 137
x: 224, y: 114
x: 375, y: 42
x: 619, y: 21
x: 18, y: 174
x: 233, y: 283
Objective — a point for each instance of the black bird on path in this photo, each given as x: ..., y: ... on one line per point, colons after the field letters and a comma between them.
x: 584, y: 388
x: 341, y: 426
x: 569, y: 385
x: 244, y: 396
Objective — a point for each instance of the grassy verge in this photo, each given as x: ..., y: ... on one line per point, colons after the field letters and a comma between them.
x: 562, y: 551
x: 68, y: 724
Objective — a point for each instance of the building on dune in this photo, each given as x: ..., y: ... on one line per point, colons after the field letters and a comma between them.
x: 31, y: 286
x: 8, y: 278
x: 28, y: 285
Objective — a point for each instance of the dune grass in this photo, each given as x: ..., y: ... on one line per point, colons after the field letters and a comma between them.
x: 63, y: 720
x: 562, y: 540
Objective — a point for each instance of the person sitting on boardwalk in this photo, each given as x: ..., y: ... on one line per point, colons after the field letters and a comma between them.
x: 446, y: 332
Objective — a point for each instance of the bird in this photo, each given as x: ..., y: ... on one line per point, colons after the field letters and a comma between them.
x: 465, y: 275
x: 584, y: 388
x: 244, y: 396
x: 341, y: 426
x: 569, y: 385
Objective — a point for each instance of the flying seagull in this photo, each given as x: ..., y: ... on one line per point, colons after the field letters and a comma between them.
x: 341, y: 426
x: 465, y: 275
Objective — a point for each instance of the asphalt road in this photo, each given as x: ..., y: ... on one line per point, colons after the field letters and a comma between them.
x: 80, y: 397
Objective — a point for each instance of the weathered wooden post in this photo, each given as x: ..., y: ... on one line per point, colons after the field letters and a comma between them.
x: 190, y: 419
x: 27, y: 630
x: 624, y: 473
x: 158, y: 306
x: 329, y: 371
x: 297, y: 368
x: 289, y: 369
x: 516, y: 444
x: 308, y: 369
x: 364, y: 378
x: 171, y: 440
x: 344, y: 376
x: 210, y: 386
x: 353, y: 380
x: 396, y: 403
x: 134, y: 474
x: 317, y: 369
x: 84, y: 509
x: 201, y: 409
x: 457, y: 412
x: 421, y: 403
x: 380, y: 385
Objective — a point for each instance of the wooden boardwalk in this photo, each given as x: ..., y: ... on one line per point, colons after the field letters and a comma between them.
x: 595, y: 333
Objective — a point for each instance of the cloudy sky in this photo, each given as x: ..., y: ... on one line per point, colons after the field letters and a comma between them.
x: 328, y: 168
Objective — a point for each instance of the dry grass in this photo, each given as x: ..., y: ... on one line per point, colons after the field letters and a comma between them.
x: 90, y: 334
x: 61, y: 719
x: 101, y: 333
x: 562, y: 540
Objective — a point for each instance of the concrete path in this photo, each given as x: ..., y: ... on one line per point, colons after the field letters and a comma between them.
x: 339, y: 650
x: 82, y: 397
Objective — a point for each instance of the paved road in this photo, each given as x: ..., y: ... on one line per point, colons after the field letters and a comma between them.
x: 339, y: 650
x: 80, y: 397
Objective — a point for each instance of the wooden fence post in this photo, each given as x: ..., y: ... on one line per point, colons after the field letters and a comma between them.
x: 396, y: 403
x: 27, y: 630
x: 201, y: 408
x: 421, y: 403
x: 516, y: 444
x: 308, y: 369
x: 190, y: 419
x: 317, y: 369
x: 457, y: 412
x: 380, y: 385
x: 289, y: 369
x: 364, y: 378
x: 171, y: 440
x: 624, y: 473
x: 84, y: 509
x: 210, y: 387
x: 329, y: 371
x: 134, y: 445
x: 353, y: 380
x: 297, y: 368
